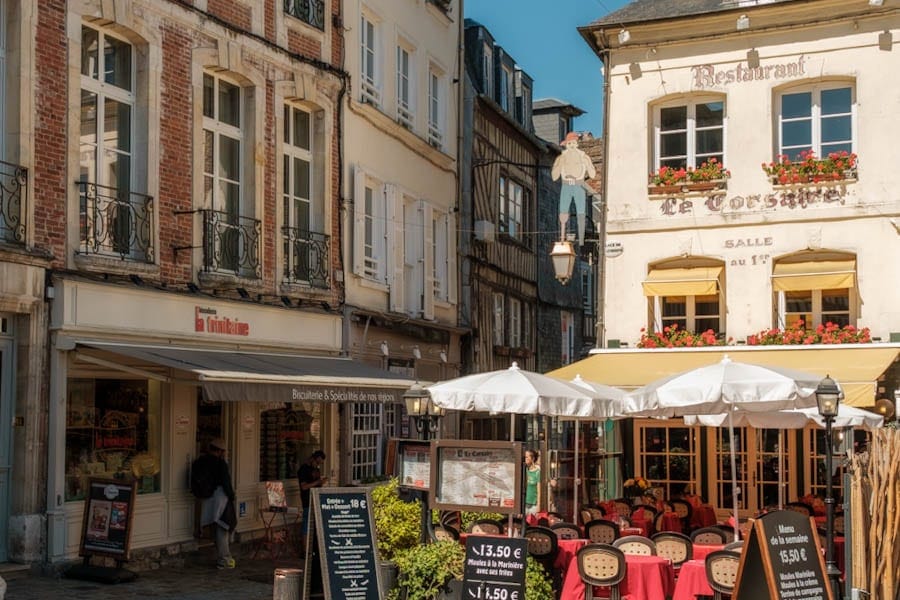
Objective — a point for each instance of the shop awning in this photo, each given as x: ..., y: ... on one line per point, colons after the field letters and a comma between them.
x: 814, y: 275
x: 697, y: 281
x: 856, y: 367
x: 227, y: 375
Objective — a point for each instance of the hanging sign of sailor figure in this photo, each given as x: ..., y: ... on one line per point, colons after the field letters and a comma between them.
x: 574, y: 166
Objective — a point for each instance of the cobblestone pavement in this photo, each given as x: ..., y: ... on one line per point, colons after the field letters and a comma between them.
x: 197, y: 579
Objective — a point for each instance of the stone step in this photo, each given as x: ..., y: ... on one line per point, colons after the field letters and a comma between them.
x: 10, y: 571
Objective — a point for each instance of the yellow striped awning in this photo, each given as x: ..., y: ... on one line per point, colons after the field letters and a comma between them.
x: 817, y: 275
x: 697, y: 281
x: 856, y: 367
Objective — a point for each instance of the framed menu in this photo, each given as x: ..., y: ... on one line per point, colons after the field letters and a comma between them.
x: 414, y: 464
x: 476, y: 475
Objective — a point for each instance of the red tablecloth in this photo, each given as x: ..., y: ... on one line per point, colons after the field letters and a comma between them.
x: 670, y: 522
x: 692, y: 581
x: 703, y: 515
x: 646, y: 578
x: 639, y: 519
x: 702, y: 550
x: 567, y: 551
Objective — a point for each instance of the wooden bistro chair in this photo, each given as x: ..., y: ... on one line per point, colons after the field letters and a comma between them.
x: 675, y: 546
x: 566, y: 531
x: 839, y: 524
x: 485, y: 527
x: 721, y: 571
x: 801, y: 507
x: 601, y: 531
x: 636, y: 544
x: 710, y: 535
x: 444, y: 533
x: 601, y: 565
x: 542, y: 545
x: 683, y: 509
x: 623, y: 507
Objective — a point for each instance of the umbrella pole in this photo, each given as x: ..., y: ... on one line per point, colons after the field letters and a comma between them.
x: 734, y: 485
x: 512, y: 438
x: 575, y: 481
x: 781, y: 481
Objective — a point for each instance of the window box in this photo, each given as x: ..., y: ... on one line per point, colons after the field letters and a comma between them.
x: 837, y: 168
x: 687, y: 187
x: 501, y: 350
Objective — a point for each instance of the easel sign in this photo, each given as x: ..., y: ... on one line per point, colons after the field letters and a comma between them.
x: 108, y: 513
x: 782, y: 560
x: 341, y: 543
x: 474, y: 475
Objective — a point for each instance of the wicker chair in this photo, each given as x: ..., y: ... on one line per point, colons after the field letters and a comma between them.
x: 710, y: 535
x: 677, y: 547
x: 601, y: 531
x: 636, y: 544
x: 601, y: 565
x: 683, y: 509
x: 721, y: 571
x: 566, y: 531
x: 800, y: 507
x: 485, y: 526
x: 543, y: 546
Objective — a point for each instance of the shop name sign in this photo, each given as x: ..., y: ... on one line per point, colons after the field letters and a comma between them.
x: 706, y: 76
x: 208, y: 320
x: 800, y: 199
x: 341, y: 394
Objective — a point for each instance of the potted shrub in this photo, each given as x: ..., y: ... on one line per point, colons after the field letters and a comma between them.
x: 397, y: 527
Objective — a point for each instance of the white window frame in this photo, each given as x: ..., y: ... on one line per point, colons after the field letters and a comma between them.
x: 417, y: 247
x: 406, y: 84
x: 487, y: 66
x: 513, y: 199
x: 436, y: 108
x: 498, y: 330
x: 690, y: 317
x: 370, y: 210
x: 515, y: 323
x: 784, y: 317
x: 366, y: 439
x: 692, y: 158
x: 816, y: 117
x: 587, y: 289
x: 567, y: 336
x: 292, y: 202
x: 505, y: 87
x: 220, y: 129
x: 370, y: 48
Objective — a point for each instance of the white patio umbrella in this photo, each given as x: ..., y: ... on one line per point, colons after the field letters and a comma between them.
x: 848, y: 416
x: 722, y: 388
x: 517, y: 391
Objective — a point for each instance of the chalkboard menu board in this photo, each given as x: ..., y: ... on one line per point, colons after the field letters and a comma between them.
x: 474, y: 475
x: 495, y: 567
x: 343, y: 526
x: 108, y: 511
x: 782, y: 560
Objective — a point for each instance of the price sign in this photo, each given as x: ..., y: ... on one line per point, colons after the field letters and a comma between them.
x: 495, y: 568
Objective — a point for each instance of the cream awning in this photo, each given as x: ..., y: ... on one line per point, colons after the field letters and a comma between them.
x: 697, y: 281
x: 817, y: 275
x: 856, y: 367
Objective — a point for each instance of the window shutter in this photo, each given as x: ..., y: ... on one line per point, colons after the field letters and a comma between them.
x: 359, y: 221
x: 395, y: 245
x: 428, y: 270
x: 451, y: 258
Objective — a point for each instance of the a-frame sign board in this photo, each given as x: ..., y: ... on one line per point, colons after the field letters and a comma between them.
x: 782, y: 560
x: 341, y: 553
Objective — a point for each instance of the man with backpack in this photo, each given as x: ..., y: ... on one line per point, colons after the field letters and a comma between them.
x: 211, y: 483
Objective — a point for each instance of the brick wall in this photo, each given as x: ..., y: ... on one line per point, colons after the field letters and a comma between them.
x: 231, y: 11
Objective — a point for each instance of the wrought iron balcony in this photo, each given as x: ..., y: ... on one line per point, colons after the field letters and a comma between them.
x: 305, y: 257
x: 13, y: 188
x: 116, y: 222
x: 311, y: 12
x: 231, y: 243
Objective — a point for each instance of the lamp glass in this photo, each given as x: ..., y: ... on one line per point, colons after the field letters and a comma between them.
x: 563, y: 257
x: 828, y: 397
x: 416, y: 399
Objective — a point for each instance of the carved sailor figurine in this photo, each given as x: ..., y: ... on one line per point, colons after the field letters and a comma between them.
x: 574, y: 166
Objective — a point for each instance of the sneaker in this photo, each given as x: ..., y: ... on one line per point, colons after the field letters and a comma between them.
x: 230, y: 564
x: 225, y: 563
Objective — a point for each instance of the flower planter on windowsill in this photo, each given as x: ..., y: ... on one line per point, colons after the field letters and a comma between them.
x: 806, y: 181
x: 687, y: 187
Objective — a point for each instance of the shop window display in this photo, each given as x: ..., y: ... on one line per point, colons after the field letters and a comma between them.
x: 112, y: 432
x: 288, y: 436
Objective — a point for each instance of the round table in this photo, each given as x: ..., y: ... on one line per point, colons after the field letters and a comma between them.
x: 702, y: 550
x: 692, y: 581
x: 646, y: 577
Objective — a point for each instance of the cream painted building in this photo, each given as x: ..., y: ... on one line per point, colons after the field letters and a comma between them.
x: 744, y: 83
x: 400, y: 191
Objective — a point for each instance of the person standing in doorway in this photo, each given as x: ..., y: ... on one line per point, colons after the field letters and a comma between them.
x: 211, y: 481
x: 532, y: 482
x: 309, y: 476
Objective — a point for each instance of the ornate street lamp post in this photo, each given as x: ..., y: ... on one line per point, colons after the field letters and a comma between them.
x: 427, y: 419
x: 828, y: 397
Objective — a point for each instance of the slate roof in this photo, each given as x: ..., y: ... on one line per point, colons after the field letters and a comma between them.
x: 654, y: 10
x: 551, y: 103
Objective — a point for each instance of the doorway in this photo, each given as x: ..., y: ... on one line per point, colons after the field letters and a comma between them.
x: 7, y: 401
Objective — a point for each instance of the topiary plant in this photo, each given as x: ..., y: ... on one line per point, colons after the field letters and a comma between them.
x: 426, y: 570
x: 397, y: 522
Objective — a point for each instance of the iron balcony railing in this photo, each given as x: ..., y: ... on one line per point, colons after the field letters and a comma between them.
x: 231, y: 243
x: 115, y: 222
x: 306, y: 257
x: 311, y: 12
x: 13, y: 188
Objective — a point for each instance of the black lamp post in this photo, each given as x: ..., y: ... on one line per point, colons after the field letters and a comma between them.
x: 427, y: 419
x: 828, y: 397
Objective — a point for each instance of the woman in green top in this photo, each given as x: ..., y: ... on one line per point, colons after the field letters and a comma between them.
x: 532, y: 482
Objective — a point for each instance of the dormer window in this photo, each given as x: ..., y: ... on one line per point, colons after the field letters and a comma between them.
x: 487, y: 68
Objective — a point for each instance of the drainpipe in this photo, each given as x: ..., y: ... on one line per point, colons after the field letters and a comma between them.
x: 604, y: 189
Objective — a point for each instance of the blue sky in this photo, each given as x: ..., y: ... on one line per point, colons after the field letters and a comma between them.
x: 541, y: 36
